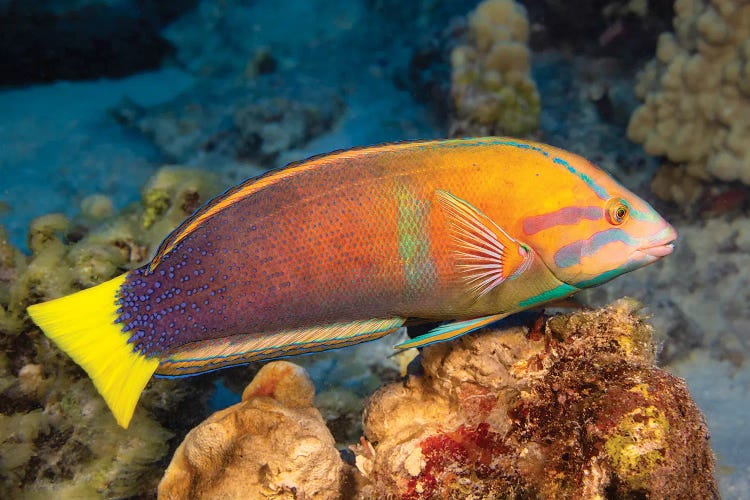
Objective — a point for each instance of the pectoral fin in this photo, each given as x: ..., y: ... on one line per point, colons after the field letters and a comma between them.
x: 450, y: 331
x: 485, y: 254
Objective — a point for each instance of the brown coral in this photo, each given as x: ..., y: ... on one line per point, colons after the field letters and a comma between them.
x: 577, y: 412
x: 274, y: 444
x: 696, y: 92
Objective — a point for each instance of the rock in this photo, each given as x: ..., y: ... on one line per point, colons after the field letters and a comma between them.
x: 571, y: 409
x: 273, y: 444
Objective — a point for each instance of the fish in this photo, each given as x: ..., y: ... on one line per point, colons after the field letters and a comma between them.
x: 347, y: 247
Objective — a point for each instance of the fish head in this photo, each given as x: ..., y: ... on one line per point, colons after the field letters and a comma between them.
x: 596, y: 230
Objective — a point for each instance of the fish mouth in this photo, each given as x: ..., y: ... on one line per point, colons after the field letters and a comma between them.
x: 659, y: 251
x: 661, y: 245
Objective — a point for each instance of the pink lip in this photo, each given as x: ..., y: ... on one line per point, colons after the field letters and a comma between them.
x: 659, y: 250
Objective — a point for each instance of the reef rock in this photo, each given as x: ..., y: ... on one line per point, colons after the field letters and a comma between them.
x: 568, y: 408
x: 492, y: 89
x: 273, y: 444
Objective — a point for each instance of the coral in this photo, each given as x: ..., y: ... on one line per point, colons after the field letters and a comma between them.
x: 273, y: 444
x: 57, y: 438
x: 568, y: 408
x: 492, y: 89
x: 97, y: 206
x: 696, y: 95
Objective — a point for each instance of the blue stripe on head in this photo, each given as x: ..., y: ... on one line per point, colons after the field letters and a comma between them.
x: 600, y: 191
x: 571, y: 254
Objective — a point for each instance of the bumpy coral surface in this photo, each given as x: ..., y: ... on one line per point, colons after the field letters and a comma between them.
x: 274, y: 444
x: 57, y: 437
x: 492, y: 89
x: 697, y: 92
x: 570, y: 408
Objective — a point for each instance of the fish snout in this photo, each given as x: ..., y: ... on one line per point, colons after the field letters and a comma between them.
x: 661, y: 244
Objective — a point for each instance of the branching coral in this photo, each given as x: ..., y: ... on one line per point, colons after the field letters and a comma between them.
x: 492, y: 89
x: 573, y: 408
x: 697, y: 92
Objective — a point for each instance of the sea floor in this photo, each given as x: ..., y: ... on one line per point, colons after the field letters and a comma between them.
x: 60, y: 143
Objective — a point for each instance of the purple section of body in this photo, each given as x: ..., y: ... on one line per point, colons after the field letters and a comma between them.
x: 271, y: 262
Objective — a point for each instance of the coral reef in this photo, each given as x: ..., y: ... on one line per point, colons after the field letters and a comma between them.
x: 570, y: 408
x: 492, y: 89
x: 696, y: 94
x: 57, y: 438
x: 274, y: 444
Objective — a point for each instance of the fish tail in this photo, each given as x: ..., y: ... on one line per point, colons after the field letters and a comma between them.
x: 83, y: 326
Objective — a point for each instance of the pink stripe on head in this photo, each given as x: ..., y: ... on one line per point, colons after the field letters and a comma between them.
x: 563, y: 217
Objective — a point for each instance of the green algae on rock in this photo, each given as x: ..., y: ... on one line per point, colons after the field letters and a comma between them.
x: 572, y: 409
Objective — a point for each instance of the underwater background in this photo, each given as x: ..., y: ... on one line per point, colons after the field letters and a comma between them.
x: 118, y: 118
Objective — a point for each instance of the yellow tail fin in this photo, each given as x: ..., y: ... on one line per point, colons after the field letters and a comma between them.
x: 83, y: 326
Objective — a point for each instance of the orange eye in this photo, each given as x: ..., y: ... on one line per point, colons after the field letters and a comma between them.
x: 617, y: 211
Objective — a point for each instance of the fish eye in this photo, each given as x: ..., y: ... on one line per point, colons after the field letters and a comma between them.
x: 617, y: 211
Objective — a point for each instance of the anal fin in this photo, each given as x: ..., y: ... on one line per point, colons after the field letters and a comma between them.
x: 210, y: 355
x: 450, y: 331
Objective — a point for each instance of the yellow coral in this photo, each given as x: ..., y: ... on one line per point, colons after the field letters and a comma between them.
x: 696, y: 92
x: 493, y: 92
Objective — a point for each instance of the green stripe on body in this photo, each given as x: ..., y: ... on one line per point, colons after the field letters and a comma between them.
x: 420, y: 273
x: 559, y: 292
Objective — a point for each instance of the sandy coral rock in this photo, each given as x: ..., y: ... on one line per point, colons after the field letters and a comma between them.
x: 696, y: 109
x: 492, y: 89
x: 273, y: 444
x: 570, y: 408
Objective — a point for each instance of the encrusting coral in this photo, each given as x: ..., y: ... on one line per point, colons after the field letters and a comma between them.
x: 696, y: 94
x: 57, y: 438
x: 570, y: 408
x: 492, y: 89
x: 273, y: 444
